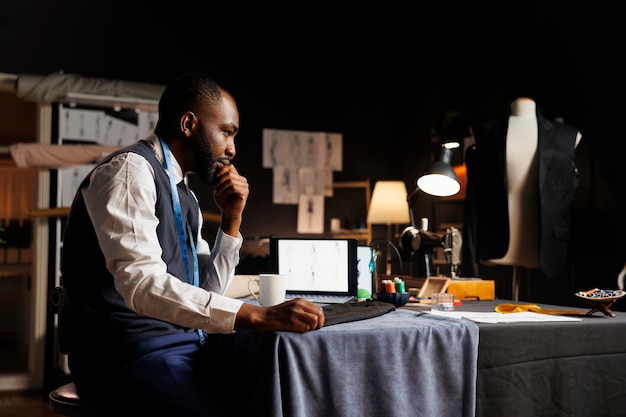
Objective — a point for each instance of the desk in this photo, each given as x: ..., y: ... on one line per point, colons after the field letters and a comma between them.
x: 403, y: 363
x: 550, y: 368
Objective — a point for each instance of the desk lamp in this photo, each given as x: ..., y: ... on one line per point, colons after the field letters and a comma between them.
x: 440, y: 180
x: 388, y: 206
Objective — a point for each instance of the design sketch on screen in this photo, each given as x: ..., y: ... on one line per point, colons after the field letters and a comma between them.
x: 312, y: 265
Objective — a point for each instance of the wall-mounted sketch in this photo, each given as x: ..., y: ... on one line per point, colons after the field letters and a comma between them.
x: 303, y: 164
x: 311, y: 214
x: 286, y: 185
x: 282, y: 148
x: 316, y: 182
x: 333, y: 155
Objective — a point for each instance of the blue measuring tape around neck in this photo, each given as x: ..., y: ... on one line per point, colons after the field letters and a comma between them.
x: 167, y: 164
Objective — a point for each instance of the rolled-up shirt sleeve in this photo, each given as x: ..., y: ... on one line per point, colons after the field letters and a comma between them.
x: 120, y: 201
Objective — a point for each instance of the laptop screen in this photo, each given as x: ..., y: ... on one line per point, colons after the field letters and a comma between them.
x: 323, y: 266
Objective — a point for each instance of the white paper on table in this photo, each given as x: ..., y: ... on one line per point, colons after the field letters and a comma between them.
x: 495, y: 317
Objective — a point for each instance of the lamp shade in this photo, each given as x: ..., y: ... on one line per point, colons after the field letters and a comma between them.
x: 440, y: 179
x: 388, y: 204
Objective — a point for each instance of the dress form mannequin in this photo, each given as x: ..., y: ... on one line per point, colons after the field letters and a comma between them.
x: 522, y: 180
x: 521, y: 183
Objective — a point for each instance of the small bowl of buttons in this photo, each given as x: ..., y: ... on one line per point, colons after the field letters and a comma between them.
x: 600, y: 300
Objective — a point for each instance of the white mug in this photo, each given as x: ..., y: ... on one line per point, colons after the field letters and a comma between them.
x: 271, y: 289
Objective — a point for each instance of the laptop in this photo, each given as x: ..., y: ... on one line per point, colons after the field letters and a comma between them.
x: 322, y: 270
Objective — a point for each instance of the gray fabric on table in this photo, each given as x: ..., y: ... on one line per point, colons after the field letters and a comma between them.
x: 403, y: 363
x: 553, y: 368
x: 558, y: 369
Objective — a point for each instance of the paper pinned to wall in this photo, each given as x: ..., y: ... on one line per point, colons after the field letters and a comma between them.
x: 301, y: 149
x: 286, y: 187
x: 316, y: 182
x: 303, y: 164
x: 334, y: 151
x: 291, y: 151
x: 311, y: 214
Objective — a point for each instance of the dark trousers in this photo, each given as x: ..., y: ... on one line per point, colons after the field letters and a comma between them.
x: 173, y: 375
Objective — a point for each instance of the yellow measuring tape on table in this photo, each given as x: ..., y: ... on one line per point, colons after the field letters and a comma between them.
x: 518, y: 308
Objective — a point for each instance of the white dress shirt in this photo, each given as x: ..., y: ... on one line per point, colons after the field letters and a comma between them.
x: 120, y: 200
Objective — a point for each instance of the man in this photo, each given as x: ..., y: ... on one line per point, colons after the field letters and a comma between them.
x: 143, y: 317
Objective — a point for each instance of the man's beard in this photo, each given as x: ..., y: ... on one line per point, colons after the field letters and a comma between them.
x: 205, y: 162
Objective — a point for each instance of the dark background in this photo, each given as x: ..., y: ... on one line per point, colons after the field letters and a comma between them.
x: 392, y: 79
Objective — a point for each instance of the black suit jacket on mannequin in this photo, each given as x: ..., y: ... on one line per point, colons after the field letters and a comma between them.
x: 486, y: 219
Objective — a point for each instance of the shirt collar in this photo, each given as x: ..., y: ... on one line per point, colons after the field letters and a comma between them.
x: 153, y: 140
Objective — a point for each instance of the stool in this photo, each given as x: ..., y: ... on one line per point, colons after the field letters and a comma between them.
x: 65, y: 401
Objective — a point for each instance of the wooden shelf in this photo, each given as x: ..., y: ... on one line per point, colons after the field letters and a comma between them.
x: 360, y: 234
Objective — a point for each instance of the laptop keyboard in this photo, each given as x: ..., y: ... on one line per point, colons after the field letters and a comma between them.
x: 322, y: 299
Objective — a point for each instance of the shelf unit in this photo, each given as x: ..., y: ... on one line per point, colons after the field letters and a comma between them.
x: 364, y: 235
